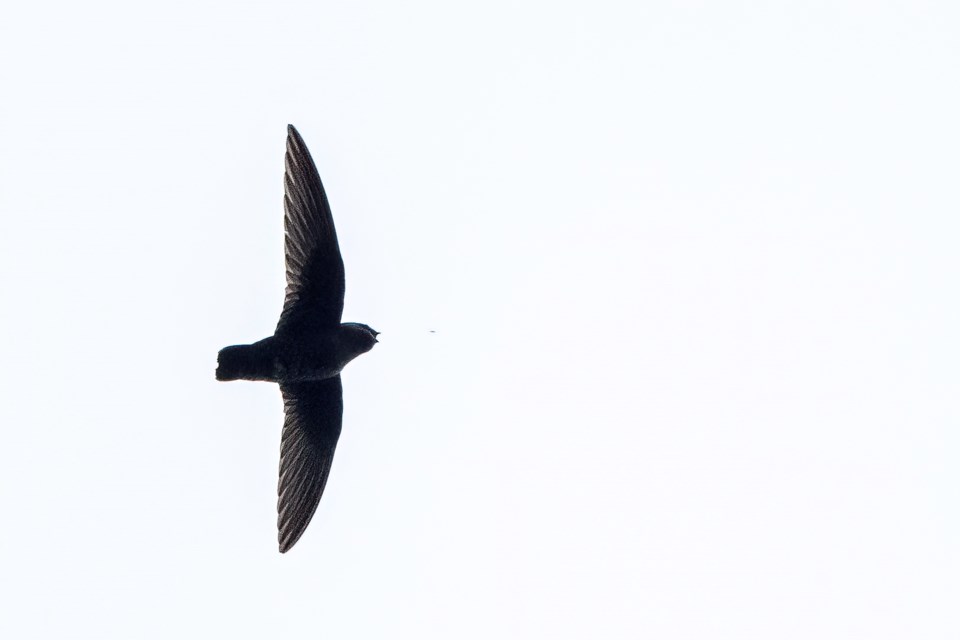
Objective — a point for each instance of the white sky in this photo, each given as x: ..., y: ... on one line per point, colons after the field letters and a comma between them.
x: 692, y: 267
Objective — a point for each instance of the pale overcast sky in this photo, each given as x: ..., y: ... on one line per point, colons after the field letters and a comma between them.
x: 692, y: 269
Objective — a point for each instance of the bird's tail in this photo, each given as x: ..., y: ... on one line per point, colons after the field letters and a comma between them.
x: 244, y: 362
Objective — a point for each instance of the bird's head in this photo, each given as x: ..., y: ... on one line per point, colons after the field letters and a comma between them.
x: 359, y: 337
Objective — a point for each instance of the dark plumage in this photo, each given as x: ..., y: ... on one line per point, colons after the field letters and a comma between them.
x: 309, y: 347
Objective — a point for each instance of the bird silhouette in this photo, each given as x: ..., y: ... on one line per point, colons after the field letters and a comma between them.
x: 309, y: 347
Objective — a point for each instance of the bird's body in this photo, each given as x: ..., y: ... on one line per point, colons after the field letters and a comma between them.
x: 309, y: 348
x: 281, y: 358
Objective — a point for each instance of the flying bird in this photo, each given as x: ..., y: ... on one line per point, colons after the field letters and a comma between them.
x: 309, y: 347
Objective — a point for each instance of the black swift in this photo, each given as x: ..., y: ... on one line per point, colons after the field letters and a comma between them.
x: 309, y: 347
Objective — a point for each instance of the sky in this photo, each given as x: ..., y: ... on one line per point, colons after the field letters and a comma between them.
x: 668, y: 302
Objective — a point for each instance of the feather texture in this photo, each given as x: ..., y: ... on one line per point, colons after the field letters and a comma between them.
x: 313, y: 413
x: 315, y: 277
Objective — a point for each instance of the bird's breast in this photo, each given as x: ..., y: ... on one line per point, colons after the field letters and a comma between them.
x: 305, y: 360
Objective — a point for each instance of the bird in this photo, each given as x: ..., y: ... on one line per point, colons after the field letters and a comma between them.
x: 309, y: 348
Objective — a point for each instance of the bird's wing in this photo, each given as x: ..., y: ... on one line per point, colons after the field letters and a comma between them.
x: 311, y: 427
x: 315, y: 284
